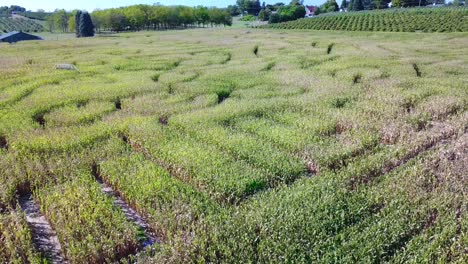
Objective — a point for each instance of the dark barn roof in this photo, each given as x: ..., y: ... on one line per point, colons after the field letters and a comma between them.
x: 16, y: 36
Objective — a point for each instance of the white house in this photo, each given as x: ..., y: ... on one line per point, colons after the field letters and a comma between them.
x: 310, y: 10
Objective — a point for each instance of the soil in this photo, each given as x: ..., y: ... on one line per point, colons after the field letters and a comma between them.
x: 45, y: 239
x: 130, y: 214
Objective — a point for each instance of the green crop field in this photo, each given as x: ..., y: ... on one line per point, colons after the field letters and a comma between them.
x: 396, y: 20
x: 236, y: 146
x: 8, y: 24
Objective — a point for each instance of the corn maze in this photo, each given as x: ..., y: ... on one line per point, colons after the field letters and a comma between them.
x: 392, y: 20
x: 234, y: 146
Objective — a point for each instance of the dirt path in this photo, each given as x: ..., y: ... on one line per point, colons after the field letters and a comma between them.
x: 130, y: 214
x: 45, y: 239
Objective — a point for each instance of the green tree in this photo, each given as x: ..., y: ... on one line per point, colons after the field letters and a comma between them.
x: 98, y: 20
x: 252, y: 7
x: 344, y: 4
x: 357, y: 5
x: 202, y: 16
x: 274, y: 18
x: 264, y: 14
x: 234, y: 10
x: 318, y: 11
x: 71, y: 23
x: 50, y: 23
x: 219, y: 17
x: 187, y: 16
x: 331, y: 6
x: 60, y: 18
x: 135, y: 17
x: 86, y: 27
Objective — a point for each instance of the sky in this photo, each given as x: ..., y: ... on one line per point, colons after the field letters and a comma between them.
x: 90, y: 5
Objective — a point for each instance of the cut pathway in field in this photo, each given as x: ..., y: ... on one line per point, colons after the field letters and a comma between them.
x: 130, y: 214
x: 45, y: 239
x: 444, y: 135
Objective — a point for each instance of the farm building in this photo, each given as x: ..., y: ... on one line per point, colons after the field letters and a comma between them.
x: 16, y: 36
x: 310, y: 10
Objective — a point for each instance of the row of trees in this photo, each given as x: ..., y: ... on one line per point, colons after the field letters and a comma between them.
x: 139, y: 17
x: 293, y: 11
x: 155, y: 17
x: 280, y: 12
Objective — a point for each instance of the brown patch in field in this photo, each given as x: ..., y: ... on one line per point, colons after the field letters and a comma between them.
x: 164, y: 120
x: 330, y: 48
x: 125, y: 139
x: 417, y: 70
x: 389, y: 134
x: 3, y: 143
x: 357, y: 78
x: 118, y: 104
x: 439, y: 134
x: 440, y: 107
x: 448, y: 168
x: 343, y: 126
x: 312, y: 167
x: 376, y: 208
x: 40, y: 120
x: 431, y: 219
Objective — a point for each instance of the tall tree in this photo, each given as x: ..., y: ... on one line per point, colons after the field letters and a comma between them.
x: 234, y: 10
x: 61, y: 19
x: 252, y: 7
x: 86, y: 25
x: 357, y: 5
x: 256, y: 7
x: 344, y: 4
x: 202, y: 16
x: 329, y: 6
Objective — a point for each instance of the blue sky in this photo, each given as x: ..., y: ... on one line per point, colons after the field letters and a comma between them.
x: 90, y: 5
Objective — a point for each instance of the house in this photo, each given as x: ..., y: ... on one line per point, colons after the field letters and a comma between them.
x: 16, y: 36
x: 310, y: 10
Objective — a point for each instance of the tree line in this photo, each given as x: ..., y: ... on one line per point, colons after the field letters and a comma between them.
x: 276, y: 13
x: 156, y: 17
x: 142, y: 17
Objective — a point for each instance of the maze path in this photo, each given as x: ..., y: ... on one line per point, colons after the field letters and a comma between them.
x: 45, y: 239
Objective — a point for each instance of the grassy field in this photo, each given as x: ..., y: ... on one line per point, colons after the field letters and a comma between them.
x: 238, y: 146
